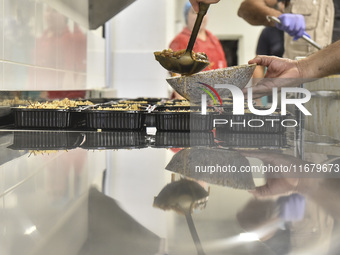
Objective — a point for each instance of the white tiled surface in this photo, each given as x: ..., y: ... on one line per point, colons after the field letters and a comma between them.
x: 46, y: 79
x: 19, y: 26
x: 42, y: 49
x: 18, y: 76
x: 1, y: 29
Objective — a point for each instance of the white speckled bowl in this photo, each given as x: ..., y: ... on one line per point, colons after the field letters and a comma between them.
x: 188, y: 86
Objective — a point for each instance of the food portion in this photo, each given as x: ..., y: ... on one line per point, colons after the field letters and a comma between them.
x: 169, y: 53
x: 120, y: 107
x: 56, y: 104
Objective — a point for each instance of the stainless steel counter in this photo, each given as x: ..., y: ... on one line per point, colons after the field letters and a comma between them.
x: 87, y: 192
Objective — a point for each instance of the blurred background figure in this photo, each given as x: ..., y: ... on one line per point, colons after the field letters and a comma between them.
x: 206, y: 42
x: 270, y: 43
x: 336, y: 28
x: 62, y: 45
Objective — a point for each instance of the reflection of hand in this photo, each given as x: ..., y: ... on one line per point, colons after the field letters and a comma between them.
x: 273, y: 157
x: 285, y: 71
x: 279, y: 184
x: 194, y: 3
x: 293, y: 24
x: 276, y: 187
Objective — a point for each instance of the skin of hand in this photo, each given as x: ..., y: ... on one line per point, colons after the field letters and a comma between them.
x: 276, y: 187
x: 255, y: 11
x: 285, y: 72
x: 280, y: 184
x: 195, y: 3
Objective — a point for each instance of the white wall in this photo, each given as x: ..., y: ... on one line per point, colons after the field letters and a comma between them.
x: 138, y: 31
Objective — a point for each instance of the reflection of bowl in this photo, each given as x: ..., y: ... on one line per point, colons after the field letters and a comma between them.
x: 213, y: 165
x: 188, y: 86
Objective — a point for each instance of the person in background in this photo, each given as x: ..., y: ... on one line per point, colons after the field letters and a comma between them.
x: 336, y: 27
x: 313, y: 18
x: 270, y: 43
x: 72, y: 55
x: 206, y: 42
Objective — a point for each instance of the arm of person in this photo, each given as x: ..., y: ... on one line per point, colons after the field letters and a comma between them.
x: 320, y: 64
x: 255, y: 11
x: 291, y: 73
x: 324, y: 191
x: 195, y: 3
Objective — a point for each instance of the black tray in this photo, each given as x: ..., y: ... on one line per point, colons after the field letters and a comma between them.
x: 183, y: 139
x: 189, y: 120
x: 6, y: 116
x: 41, y: 118
x: 107, y: 119
x: 115, y: 140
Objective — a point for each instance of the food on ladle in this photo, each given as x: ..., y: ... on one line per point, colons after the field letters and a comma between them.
x: 169, y: 53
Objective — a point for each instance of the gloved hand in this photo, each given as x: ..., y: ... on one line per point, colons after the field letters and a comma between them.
x: 293, y: 24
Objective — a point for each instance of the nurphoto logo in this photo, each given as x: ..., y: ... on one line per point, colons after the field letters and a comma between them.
x: 239, y: 102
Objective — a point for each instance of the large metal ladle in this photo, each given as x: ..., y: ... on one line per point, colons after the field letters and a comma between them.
x: 186, y: 64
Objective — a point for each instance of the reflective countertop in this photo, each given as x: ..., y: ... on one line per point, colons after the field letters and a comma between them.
x: 147, y: 192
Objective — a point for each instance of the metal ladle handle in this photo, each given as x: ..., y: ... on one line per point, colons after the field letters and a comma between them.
x: 194, y: 234
x: 306, y: 38
x: 203, y: 9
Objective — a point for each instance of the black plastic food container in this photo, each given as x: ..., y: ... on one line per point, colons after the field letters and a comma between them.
x: 109, y: 119
x: 41, y: 118
x: 182, y: 118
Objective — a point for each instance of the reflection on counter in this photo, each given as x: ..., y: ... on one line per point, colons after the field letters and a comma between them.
x: 97, y: 189
x: 184, y: 197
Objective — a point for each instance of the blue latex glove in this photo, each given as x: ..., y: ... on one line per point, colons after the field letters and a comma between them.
x: 292, y: 208
x: 293, y: 24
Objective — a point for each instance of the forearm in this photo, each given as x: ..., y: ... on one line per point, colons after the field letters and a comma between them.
x: 255, y: 11
x: 322, y: 63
